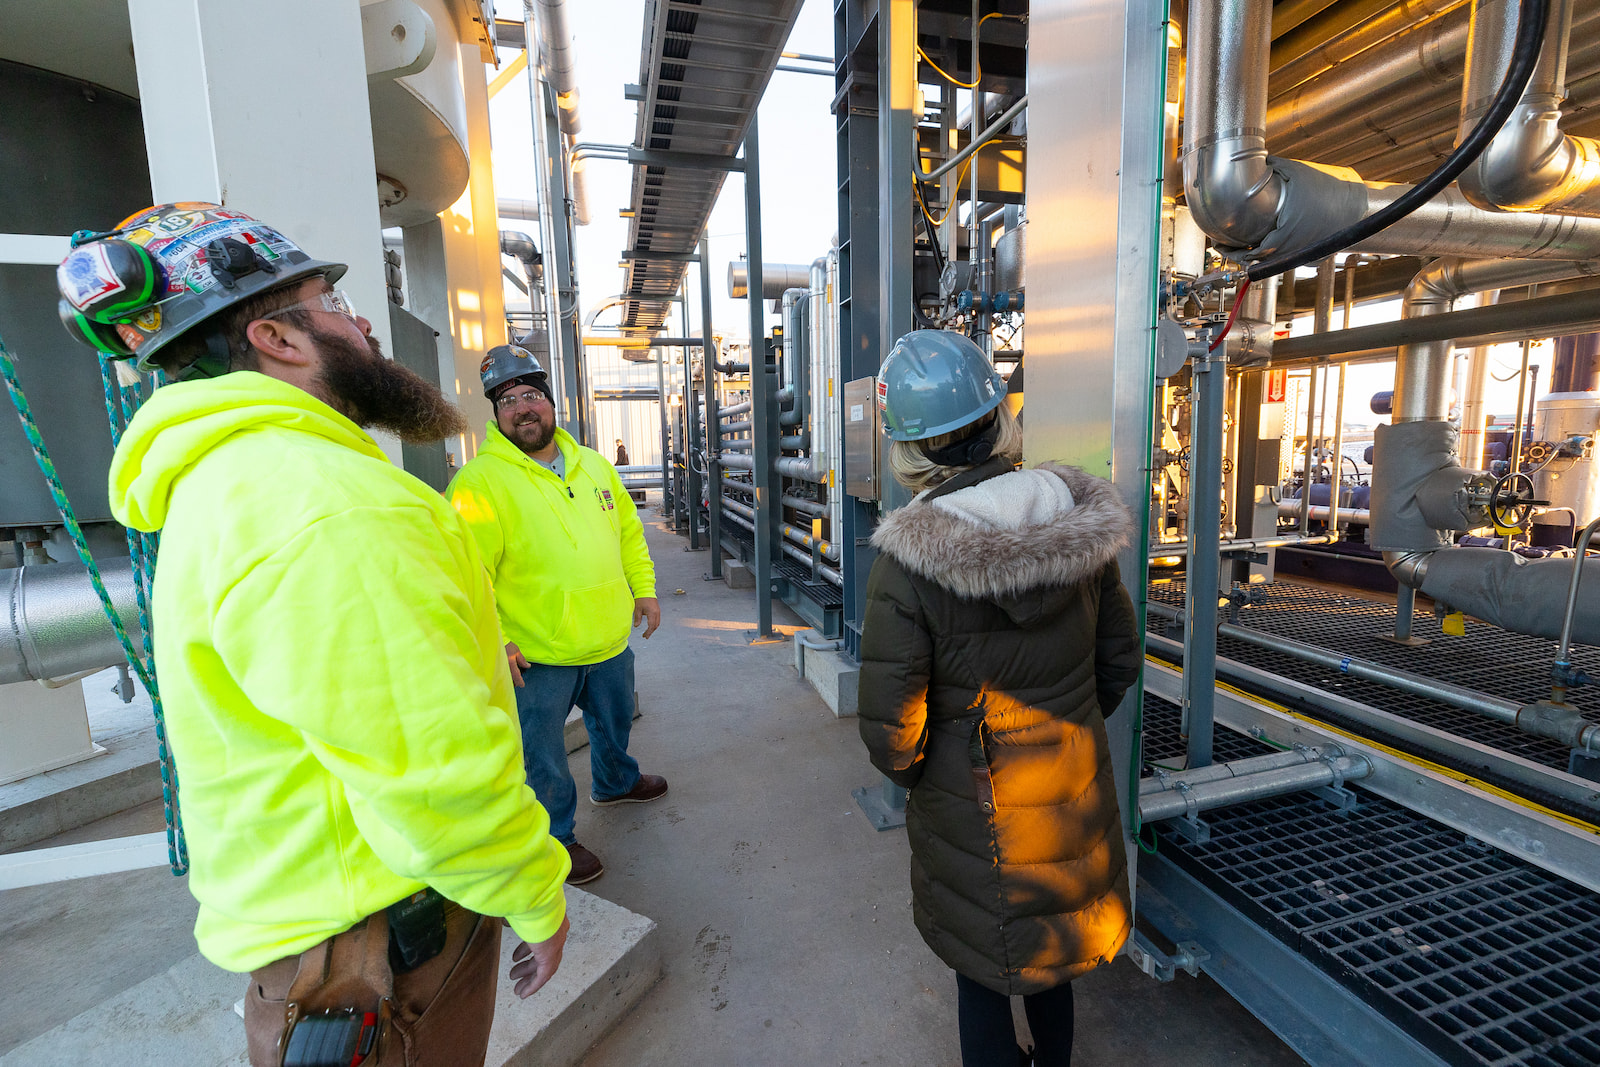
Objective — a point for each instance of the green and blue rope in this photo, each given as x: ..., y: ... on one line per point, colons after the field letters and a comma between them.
x: 141, y: 553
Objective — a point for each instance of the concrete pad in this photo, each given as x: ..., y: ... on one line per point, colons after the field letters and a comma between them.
x: 738, y: 575
x: 60, y: 800
x: 834, y: 676
x: 186, y: 1014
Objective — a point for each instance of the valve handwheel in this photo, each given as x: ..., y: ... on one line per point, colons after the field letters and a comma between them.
x: 1511, y: 501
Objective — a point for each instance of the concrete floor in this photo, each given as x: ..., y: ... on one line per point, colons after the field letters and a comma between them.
x: 784, y: 917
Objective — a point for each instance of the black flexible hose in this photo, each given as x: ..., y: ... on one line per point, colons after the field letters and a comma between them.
x: 1531, y: 18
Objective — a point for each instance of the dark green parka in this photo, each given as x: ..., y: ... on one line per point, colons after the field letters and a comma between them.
x: 997, y: 635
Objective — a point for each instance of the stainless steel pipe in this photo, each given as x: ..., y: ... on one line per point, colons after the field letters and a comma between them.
x: 1405, y: 681
x: 1175, y: 802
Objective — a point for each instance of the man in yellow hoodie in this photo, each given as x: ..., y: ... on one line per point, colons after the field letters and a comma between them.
x: 572, y: 578
x: 336, y: 693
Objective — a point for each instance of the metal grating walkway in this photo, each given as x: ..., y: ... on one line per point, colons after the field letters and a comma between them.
x: 1486, y: 960
x: 1487, y: 659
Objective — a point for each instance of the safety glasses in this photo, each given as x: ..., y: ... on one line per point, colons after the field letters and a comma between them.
x: 335, y: 300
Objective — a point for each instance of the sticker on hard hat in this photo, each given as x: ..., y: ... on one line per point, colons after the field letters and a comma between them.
x: 883, y: 395
x: 483, y: 368
x: 130, y: 336
x: 86, y: 276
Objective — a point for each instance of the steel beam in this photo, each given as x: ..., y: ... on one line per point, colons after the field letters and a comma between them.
x: 655, y: 157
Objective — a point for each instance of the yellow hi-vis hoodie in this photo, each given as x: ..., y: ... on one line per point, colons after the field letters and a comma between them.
x: 336, y: 691
x: 567, y: 555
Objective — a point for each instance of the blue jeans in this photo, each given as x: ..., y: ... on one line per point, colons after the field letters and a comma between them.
x: 605, y: 693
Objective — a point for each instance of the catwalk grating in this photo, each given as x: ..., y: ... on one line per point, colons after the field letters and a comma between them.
x: 1486, y: 960
x: 1488, y: 659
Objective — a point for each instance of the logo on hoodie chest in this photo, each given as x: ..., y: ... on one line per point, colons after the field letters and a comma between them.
x: 603, y: 498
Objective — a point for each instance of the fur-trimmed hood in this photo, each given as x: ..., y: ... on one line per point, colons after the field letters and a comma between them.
x: 1011, y: 534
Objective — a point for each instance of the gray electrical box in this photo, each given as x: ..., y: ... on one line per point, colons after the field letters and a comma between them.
x: 862, y: 432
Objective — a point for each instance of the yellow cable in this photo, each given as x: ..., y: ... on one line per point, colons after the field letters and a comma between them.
x: 977, y: 66
x: 1406, y: 757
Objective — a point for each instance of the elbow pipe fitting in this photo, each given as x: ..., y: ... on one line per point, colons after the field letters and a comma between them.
x: 1409, y: 568
x: 1232, y: 191
x: 1531, y: 165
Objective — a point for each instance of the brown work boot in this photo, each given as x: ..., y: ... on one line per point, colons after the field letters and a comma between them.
x: 649, y: 787
x: 586, y: 866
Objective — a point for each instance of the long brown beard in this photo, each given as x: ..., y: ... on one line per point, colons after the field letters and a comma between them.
x: 378, y: 392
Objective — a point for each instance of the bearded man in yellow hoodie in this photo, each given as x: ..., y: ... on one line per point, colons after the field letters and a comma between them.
x: 572, y: 578
x: 336, y: 693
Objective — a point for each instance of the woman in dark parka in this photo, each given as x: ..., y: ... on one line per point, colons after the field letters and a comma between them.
x: 997, y: 637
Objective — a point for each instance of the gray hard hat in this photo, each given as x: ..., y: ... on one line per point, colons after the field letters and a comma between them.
x: 933, y: 382
x: 506, y: 363
x: 151, y: 288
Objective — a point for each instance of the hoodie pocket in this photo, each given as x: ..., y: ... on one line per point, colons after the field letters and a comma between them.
x: 595, y: 618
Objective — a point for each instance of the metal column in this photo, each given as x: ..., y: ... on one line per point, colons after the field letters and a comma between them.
x: 709, y: 354
x: 691, y: 418
x: 763, y: 394
x: 897, y: 95
x: 667, y: 509
x: 860, y: 303
x: 1210, y: 376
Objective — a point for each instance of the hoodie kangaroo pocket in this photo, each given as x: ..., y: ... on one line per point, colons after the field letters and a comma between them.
x: 595, y: 618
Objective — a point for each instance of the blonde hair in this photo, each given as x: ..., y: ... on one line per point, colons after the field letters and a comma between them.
x: 911, y: 467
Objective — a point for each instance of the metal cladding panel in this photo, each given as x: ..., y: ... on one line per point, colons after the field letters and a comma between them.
x: 862, y: 435
x: 704, y: 67
x: 1095, y: 122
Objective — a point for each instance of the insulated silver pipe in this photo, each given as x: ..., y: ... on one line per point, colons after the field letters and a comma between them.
x: 1243, y: 199
x: 829, y: 573
x: 55, y: 626
x: 556, y: 40
x: 734, y: 460
x: 1531, y: 165
x: 1175, y: 802
x: 1367, y: 670
x: 1341, y: 48
x: 830, y: 552
x: 810, y: 507
x: 1422, y: 371
x: 733, y: 409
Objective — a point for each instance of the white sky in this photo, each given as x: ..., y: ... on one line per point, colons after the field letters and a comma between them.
x: 798, y: 187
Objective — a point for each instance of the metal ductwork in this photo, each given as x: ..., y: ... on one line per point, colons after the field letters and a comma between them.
x: 56, y: 627
x: 1531, y: 165
x: 1245, y: 198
